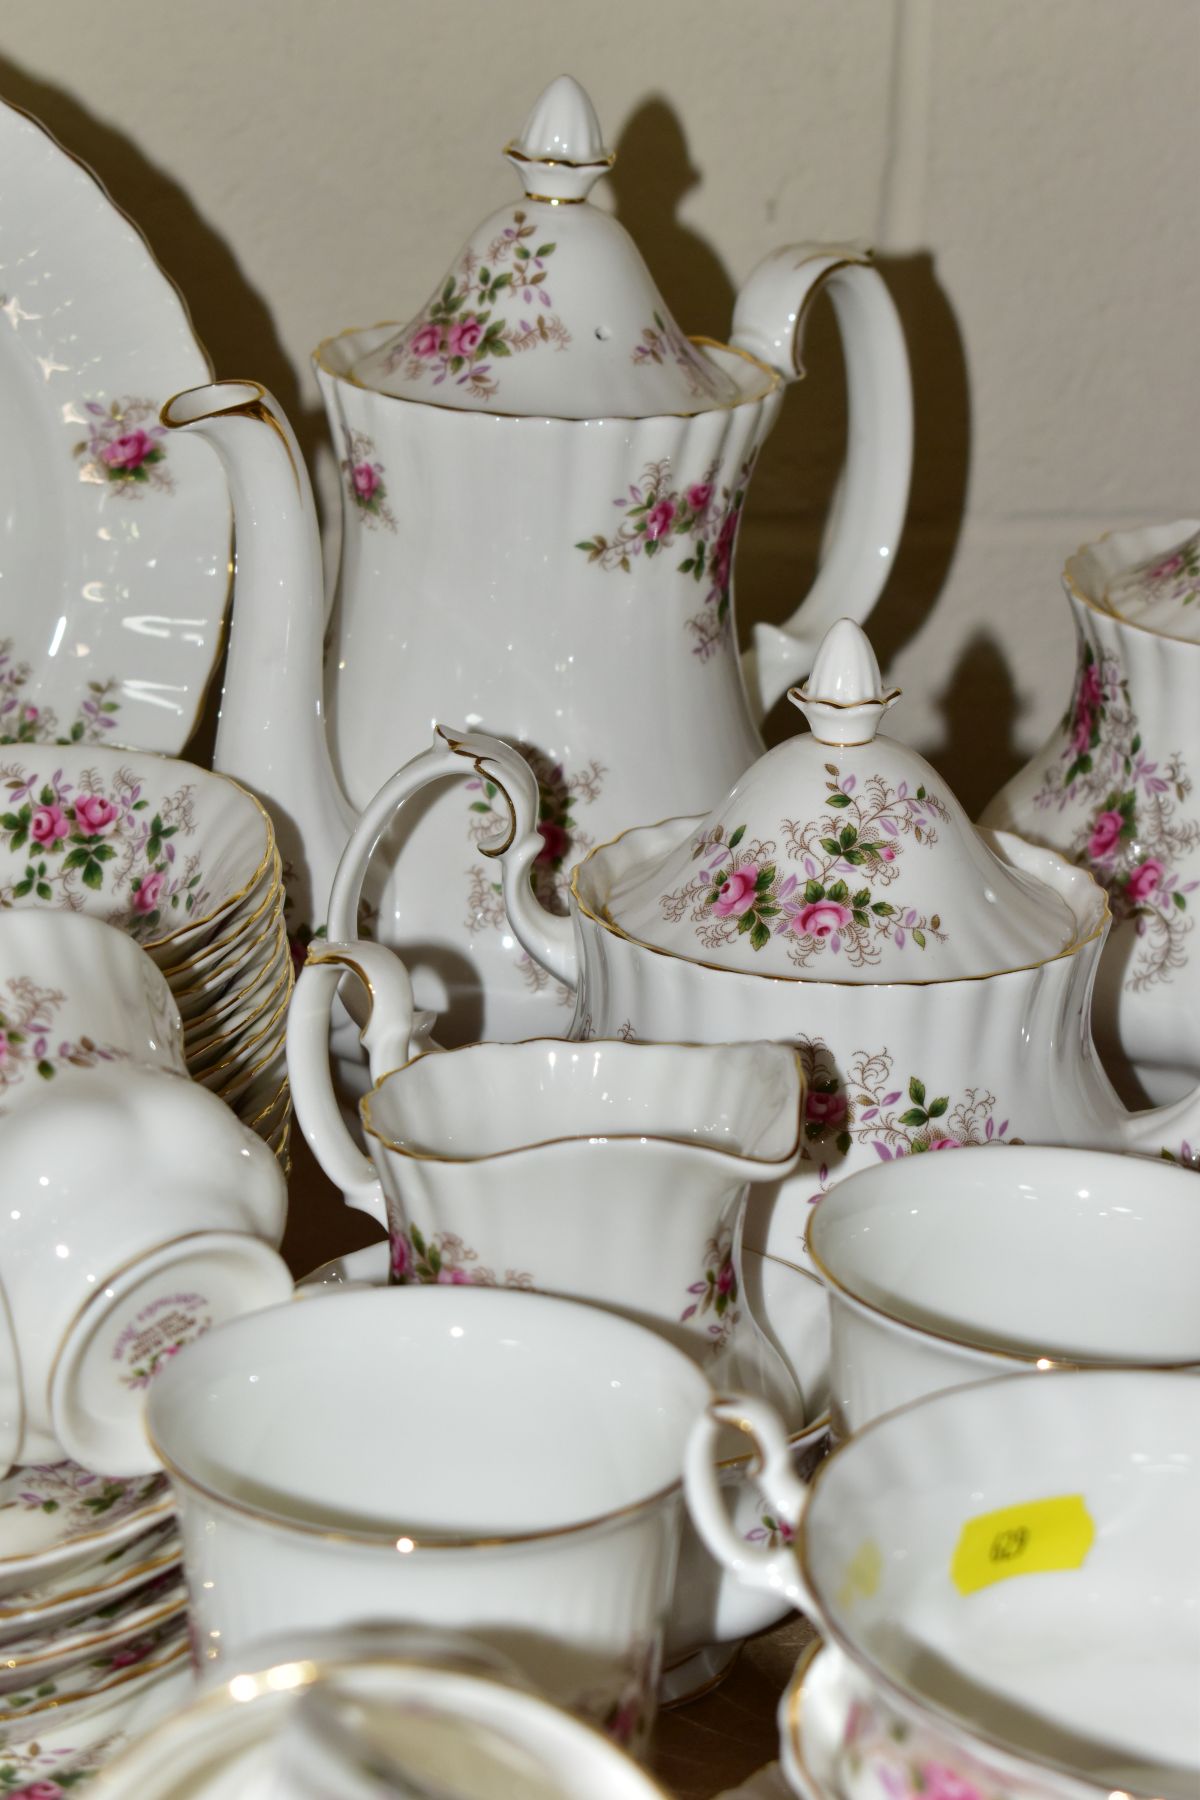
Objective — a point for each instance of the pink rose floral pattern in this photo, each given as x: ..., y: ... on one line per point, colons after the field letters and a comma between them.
x: 21, y: 722
x: 27, y: 1042
x: 660, y: 518
x: 903, y: 1767
x: 1175, y: 577
x: 488, y: 308
x: 445, y: 1261
x: 61, y: 837
x: 1134, y: 832
x: 834, y: 900
x: 716, y: 1293
x: 78, y: 1497
x: 891, y: 1116
x: 364, y: 481
x: 124, y: 448
x: 564, y: 841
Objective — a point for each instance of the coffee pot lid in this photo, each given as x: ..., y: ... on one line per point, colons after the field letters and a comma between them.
x: 549, y: 309
x: 841, y: 856
x: 1162, y: 592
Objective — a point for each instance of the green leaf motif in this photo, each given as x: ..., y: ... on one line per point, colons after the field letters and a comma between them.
x: 831, y: 846
x: 914, y: 1116
x: 838, y: 892
x: 839, y: 799
x: 918, y: 936
x: 937, y: 1107
x: 813, y: 891
x: 916, y: 1091
x: 736, y: 837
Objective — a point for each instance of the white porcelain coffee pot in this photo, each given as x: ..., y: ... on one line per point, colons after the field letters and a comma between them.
x: 1113, y: 788
x: 543, y: 482
x: 937, y: 979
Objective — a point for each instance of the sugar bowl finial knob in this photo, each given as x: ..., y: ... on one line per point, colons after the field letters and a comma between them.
x: 560, y: 151
x: 844, y: 698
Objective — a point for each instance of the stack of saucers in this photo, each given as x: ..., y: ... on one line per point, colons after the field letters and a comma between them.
x: 92, y: 1619
x: 185, y: 861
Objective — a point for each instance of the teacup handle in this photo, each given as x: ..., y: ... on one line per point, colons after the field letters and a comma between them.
x: 392, y: 1035
x: 775, y: 1477
x: 769, y: 319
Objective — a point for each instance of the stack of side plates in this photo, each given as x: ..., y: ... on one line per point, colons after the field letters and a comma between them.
x: 185, y: 861
x: 92, y: 1616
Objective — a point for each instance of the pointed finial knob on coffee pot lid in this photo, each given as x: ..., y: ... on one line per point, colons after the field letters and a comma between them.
x: 561, y: 150
x: 844, y: 698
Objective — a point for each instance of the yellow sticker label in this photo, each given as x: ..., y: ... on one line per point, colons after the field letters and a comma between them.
x: 862, y: 1574
x: 1031, y: 1539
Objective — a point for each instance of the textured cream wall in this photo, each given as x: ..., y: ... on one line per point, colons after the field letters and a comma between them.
x: 1026, y: 167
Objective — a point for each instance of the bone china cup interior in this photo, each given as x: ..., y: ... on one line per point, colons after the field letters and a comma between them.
x: 941, y: 1270
x: 1012, y: 1564
x: 481, y: 1458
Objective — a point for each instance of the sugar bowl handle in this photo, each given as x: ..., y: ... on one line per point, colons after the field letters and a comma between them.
x: 777, y: 1570
x: 769, y: 321
x: 392, y: 1035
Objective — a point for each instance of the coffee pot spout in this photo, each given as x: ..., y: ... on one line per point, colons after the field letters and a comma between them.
x: 271, y: 734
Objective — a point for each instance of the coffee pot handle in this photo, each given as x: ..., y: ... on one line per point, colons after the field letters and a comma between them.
x: 768, y: 321
x: 392, y: 1035
x: 777, y: 1571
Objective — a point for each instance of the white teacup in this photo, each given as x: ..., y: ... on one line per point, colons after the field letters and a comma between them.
x: 76, y: 993
x: 946, y: 1269
x: 1011, y: 1567
x: 482, y: 1459
x: 372, y: 1722
x: 137, y: 1213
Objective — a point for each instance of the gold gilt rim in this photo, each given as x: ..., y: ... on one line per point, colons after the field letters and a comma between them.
x: 145, y: 1515
x: 278, y: 1680
x: 1076, y: 592
x: 134, y: 1575
x: 235, y: 957
x: 794, y: 1709
x: 278, y: 1098
x: 394, y: 1536
x: 195, y: 959
x: 272, y: 966
x: 767, y: 1164
x: 259, y: 993
x: 233, y: 899
x: 77, y: 1696
x: 232, y: 1039
x: 969, y: 1733
x: 228, y: 1064
x: 774, y: 382
x: 63, y: 1644
x: 610, y: 925
x: 1024, y: 1359
x: 236, y: 1085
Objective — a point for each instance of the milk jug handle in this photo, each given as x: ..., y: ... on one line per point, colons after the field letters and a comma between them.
x: 769, y: 321
x: 392, y: 1035
x: 774, y: 1475
x: 546, y: 937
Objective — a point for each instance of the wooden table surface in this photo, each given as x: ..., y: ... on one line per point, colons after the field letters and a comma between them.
x: 701, y: 1749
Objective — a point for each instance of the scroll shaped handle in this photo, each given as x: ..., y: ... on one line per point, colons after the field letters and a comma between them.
x: 392, y: 1035
x: 549, y: 939
x: 768, y: 321
x: 777, y: 1571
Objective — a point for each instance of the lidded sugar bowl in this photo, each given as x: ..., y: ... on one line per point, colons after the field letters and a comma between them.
x: 936, y: 978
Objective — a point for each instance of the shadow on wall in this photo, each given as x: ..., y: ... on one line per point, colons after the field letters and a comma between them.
x: 232, y: 320
x: 796, y: 481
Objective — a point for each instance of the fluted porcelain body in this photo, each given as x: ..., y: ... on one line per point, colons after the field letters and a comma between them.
x: 1113, y: 788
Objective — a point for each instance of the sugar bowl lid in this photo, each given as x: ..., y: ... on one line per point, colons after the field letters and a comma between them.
x: 841, y: 856
x: 1161, y: 592
x: 549, y: 309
